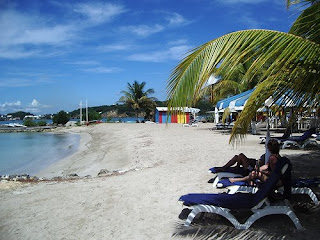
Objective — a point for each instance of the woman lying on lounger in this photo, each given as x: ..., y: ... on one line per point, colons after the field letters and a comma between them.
x: 248, y: 164
x: 265, y: 170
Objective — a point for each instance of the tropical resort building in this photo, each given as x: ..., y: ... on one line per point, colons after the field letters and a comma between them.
x: 235, y: 104
x: 184, y: 115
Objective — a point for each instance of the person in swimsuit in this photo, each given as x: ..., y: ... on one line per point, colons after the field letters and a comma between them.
x: 262, y: 173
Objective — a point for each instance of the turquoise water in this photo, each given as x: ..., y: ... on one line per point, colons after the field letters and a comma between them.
x: 49, y: 121
x: 31, y: 152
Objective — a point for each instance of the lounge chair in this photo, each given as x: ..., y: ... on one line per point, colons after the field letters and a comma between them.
x: 300, y: 141
x: 221, y: 181
x: 294, y: 190
x: 285, y: 136
x: 224, y: 204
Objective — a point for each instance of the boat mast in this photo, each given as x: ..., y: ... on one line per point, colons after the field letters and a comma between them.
x: 80, y: 112
x: 87, y: 117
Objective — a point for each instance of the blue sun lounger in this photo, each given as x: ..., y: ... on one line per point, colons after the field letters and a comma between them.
x: 221, y: 180
x: 300, y: 141
x: 224, y: 204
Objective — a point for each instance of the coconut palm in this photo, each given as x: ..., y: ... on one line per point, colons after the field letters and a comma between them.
x: 291, y: 60
x: 138, y: 99
x: 230, y: 83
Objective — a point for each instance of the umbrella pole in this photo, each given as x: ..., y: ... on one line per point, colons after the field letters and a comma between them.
x: 267, y: 156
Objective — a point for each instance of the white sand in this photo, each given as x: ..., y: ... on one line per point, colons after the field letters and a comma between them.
x: 162, y: 163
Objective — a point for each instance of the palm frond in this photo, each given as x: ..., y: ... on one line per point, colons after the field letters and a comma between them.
x: 308, y: 24
x: 292, y: 63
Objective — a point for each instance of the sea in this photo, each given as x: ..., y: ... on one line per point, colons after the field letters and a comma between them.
x: 31, y: 152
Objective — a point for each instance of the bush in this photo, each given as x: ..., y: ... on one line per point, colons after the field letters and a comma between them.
x: 61, y: 118
x: 42, y: 123
x: 94, y: 116
x: 29, y: 123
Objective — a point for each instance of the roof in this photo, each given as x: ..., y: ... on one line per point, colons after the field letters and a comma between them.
x: 235, y: 102
x: 185, y: 109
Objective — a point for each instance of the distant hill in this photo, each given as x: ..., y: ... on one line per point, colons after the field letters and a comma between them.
x: 122, y: 110
x: 115, y: 110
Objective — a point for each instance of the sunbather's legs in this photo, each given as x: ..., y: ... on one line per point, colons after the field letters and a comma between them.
x: 240, y: 160
x: 242, y: 179
x: 251, y: 178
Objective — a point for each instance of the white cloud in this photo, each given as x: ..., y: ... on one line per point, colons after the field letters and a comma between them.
x: 102, y: 70
x: 176, y: 19
x: 249, y: 22
x: 23, y: 35
x: 17, y: 28
x: 18, y: 82
x: 99, y: 12
x: 114, y: 47
x: 10, y: 106
x: 173, y: 53
x: 15, y: 52
x: 143, y: 30
x: 178, y: 42
x: 35, y: 107
x: 85, y: 62
x: 242, y: 1
x: 35, y: 103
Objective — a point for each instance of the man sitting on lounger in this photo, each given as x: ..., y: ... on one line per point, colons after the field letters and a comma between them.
x: 263, y: 172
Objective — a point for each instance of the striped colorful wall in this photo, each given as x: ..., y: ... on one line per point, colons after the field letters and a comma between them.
x: 164, y: 117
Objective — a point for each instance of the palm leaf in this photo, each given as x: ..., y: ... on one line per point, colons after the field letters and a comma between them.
x: 292, y: 63
x: 308, y: 24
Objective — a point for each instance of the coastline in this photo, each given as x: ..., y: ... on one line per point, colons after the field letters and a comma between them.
x: 159, y: 163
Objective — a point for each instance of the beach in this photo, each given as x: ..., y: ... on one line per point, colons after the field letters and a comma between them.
x: 147, y: 168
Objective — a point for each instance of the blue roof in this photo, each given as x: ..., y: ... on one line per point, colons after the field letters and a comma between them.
x: 239, y: 99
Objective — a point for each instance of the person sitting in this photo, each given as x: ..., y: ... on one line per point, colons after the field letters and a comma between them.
x: 262, y: 173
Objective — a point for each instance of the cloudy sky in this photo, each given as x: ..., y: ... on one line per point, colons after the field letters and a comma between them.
x: 53, y: 53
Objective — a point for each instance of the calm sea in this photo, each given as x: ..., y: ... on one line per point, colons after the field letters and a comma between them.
x: 31, y: 152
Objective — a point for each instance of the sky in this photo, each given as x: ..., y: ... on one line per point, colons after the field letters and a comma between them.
x: 54, y: 54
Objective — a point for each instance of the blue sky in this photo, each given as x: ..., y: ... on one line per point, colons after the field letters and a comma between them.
x: 55, y: 53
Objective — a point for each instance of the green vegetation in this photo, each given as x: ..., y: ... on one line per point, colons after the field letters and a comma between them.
x: 138, y: 99
x: 232, y: 82
x: 119, y: 110
x: 92, y: 115
x: 61, y: 118
x: 29, y: 123
x: 42, y: 123
x: 291, y: 63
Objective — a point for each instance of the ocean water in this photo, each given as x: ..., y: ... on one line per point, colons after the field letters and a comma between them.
x: 49, y: 121
x: 31, y: 152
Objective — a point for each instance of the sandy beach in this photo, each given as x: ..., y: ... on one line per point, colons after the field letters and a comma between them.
x: 151, y: 166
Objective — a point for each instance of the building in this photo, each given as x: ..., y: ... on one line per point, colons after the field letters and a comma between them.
x: 183, y: 116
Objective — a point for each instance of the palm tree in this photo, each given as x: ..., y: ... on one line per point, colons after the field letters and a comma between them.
x: 292, y: 61
x: 232, y: 82
x: 138, y: 99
